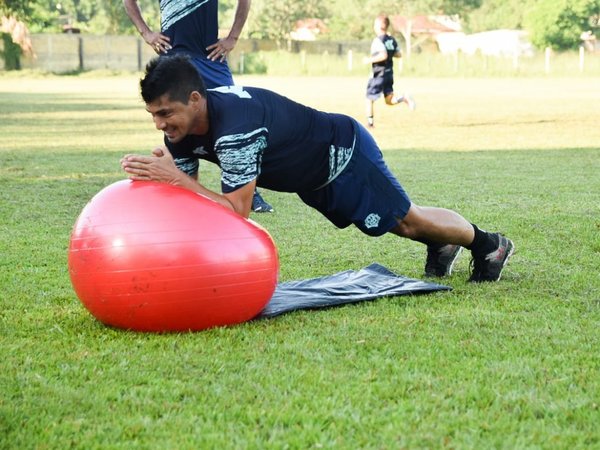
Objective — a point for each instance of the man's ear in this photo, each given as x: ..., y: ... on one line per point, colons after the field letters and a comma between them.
x: 195, y: 97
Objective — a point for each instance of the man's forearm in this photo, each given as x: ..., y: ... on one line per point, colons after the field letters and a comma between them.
x: 135, y: 15
x: 241, y: 15
x: 194, y: 185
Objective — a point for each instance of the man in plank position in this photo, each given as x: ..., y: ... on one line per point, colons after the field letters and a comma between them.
x: 330, y: 161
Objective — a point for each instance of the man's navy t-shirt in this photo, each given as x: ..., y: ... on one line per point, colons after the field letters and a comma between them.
x: 258, y: 134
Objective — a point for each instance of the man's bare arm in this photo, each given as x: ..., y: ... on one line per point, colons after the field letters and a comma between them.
x: 158, y: 41
x: 220, y: 49
x: 161, y: 167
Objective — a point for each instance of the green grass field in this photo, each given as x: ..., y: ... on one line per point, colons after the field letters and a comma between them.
x: 513, y: 364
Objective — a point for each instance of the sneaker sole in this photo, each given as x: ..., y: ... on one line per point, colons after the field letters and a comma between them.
x: 506, y: 258
x: 456, y: 255
x: 261, y: 210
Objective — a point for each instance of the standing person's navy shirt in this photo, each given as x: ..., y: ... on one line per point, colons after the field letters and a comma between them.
x: 196, y: 25
x: 255, y: 133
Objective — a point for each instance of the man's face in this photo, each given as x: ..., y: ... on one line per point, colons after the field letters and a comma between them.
x: 174, y: 118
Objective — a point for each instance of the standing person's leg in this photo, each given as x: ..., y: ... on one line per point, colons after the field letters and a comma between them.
x: 259, y: 205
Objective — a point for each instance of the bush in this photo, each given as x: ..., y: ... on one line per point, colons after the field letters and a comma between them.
x: 253, y: 63
x: 559, y: 23
x: 11, y: 53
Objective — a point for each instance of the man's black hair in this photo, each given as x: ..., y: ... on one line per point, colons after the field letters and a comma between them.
x: 172, y: 75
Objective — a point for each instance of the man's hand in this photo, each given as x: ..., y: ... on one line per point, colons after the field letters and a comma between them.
x: 158, y: 167
x: 158, y: 41
x: 220, y: 49
x: 161, y: 167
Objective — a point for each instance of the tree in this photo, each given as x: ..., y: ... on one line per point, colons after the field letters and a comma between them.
x: 347, y: 20
x: 17, y: 8
x: 559, y: 23
x: 31, y: 13
x: 15, y: 38
x: 274, y: 19
x: 495, y: 14
x: 460, y: 7
x: 92, y: 16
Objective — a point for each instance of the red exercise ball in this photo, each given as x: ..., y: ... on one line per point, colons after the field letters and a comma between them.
x: 149, y: 256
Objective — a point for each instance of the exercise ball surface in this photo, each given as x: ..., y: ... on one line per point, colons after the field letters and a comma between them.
x: 149, y: 256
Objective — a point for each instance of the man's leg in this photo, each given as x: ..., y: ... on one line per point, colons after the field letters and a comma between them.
x: 391, y: 99
x: 440, y: 225
x: 369, y: 110
x: 442, y: 230
x: 374, y: 91
x: 368, y: 195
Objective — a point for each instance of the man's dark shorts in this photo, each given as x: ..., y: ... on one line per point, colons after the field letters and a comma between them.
x: 365, y: 194
x: 378, y: 85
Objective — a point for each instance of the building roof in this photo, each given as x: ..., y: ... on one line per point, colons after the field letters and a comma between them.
x: 425, y: 24
x: 308, y: 29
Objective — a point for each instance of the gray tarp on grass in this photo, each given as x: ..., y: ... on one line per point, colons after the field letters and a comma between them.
x: 350, y: 286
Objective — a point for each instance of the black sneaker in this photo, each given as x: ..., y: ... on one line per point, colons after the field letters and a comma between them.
x: 440, y: 260
x: 489, y: 267
x: 259, y: 204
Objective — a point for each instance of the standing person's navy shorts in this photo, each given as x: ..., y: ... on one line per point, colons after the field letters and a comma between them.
x: 378, y: 85
x: 213, y: 73
x: 365, y: 193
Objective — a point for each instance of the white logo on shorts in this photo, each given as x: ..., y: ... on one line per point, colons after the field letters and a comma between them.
x: 372, y: 220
